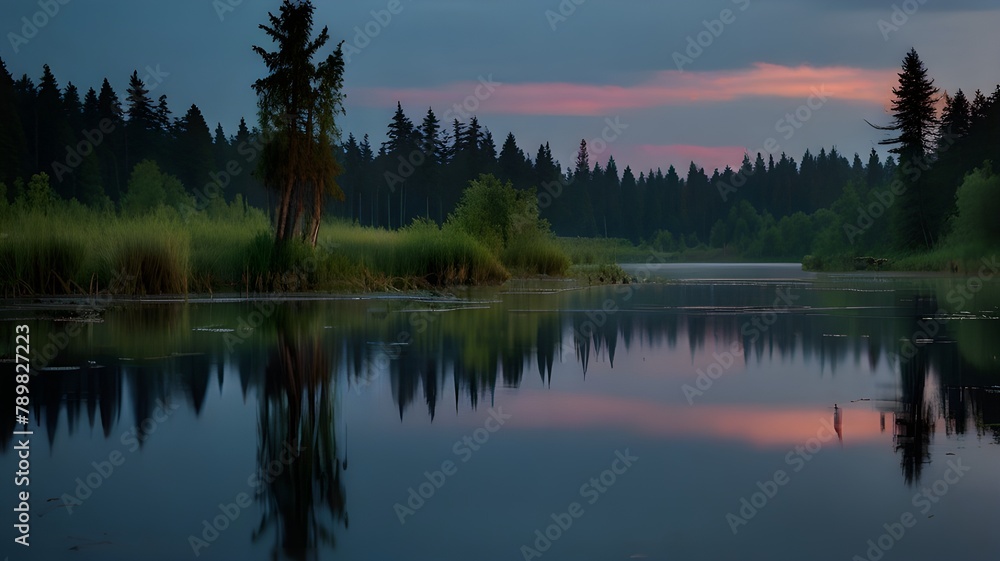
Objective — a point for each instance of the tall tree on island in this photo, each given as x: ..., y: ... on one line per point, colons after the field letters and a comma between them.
x: 915, y: 220
x: 298, y: 102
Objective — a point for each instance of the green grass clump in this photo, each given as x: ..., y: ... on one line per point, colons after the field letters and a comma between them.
x: 149, y: 256
x: 536, y: 255
x: 39, y: 255
x: 608, y: 273
x: 230, y: 251
x: 597, y: 251
x: 422, y: 252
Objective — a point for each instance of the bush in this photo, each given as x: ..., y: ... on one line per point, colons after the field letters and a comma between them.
x: 978, y: 202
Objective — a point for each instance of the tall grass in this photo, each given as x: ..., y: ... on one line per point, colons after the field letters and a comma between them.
x: 38, y: 255
x: 72, y: 250
x: 539, y: 255
x: 149, y: 256
x: 599, y: 251
x: 422, y: 252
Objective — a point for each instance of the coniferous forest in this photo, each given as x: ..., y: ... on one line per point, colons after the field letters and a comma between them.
x: 929, y: 204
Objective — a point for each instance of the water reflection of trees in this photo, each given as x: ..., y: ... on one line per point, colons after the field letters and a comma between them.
x: 298, y: 461
x: 427, y: 352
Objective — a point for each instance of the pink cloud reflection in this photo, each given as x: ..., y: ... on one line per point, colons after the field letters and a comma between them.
x: 760, y: 426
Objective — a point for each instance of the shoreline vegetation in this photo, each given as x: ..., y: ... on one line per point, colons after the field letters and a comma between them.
x: 54, y: 247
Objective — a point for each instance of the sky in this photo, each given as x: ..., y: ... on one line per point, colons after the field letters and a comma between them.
x: 651, y: 83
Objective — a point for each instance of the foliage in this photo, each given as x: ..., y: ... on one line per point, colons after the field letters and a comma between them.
x: 149, y: 189
x: 507, y: 222
x: 298, y: 102
x: 978, y: 202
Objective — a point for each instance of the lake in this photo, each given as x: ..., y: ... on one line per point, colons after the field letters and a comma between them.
x: 711, y: 412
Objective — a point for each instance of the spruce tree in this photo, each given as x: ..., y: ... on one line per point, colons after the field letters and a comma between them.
x: 914, y: 218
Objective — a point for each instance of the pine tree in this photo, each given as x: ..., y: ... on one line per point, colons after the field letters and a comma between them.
x: 91, y: 112
x: 73, y: 108
x: 401, y: 143
x: 194, y: 155
x: 631, y: 209
x: 956, y: 117
x: 430, y: 173
x: 915, y: 220
x: 161, y: 116
x: 13, y: 143
x: 54, y: 136
x: 114, y: 175
x: 140, y: 129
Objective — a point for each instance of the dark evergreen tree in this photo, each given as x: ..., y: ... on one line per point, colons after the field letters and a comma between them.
x: 54, y: 136
x: 631, y: 210
x: 513, y: 165
x: 73, y: 108
x: 13, y: 144
x: 195, y: 158
x: 26, y: 96
x: 141, y: 129
x: 916, y: 221
x: 111, y: 153
x: 401, y: 147
x: 161, y: 117
x: 874, y: 173
x: 429, y: 174
x: 298, y: 102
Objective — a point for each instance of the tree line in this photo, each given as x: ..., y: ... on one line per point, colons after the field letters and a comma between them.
x: 769, y: 206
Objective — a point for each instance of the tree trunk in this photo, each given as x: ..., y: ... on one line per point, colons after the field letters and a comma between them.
x: 317, y: 213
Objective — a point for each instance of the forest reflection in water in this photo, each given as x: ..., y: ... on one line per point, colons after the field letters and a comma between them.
x: 303, y: 360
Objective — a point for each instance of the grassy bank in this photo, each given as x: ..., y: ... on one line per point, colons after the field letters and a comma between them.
x: 960, y: 259
x: 74, y: 250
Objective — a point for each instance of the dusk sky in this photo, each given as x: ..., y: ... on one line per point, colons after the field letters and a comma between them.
x: 559, y: 71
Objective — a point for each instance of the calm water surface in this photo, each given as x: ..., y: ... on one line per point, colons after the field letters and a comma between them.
x: 734, y: 412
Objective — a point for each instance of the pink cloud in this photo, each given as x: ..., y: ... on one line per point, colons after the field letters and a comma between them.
x: 664, y: 88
